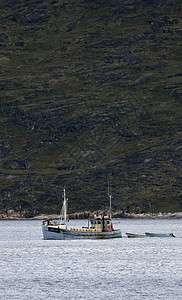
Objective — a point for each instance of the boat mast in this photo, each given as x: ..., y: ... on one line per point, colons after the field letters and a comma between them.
x: 64, y: 206
x: 110, y: 200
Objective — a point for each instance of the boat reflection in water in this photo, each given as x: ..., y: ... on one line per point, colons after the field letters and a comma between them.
x: 100, y: 227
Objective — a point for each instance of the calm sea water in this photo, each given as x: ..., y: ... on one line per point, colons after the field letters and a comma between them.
x: 33, y: 268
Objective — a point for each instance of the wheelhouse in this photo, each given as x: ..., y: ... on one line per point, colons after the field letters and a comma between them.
x: 101, y: 223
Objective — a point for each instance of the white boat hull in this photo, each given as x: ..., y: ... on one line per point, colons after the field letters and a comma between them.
x: 133, y: 235
x: 55, y: 233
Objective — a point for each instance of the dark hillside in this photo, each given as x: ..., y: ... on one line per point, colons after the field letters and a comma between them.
x: 90, y: 91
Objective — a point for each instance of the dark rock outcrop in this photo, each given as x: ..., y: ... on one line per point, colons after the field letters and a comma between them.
x: 19, y: 164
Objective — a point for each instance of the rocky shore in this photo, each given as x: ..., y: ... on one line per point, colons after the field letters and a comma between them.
x: 86, y: 215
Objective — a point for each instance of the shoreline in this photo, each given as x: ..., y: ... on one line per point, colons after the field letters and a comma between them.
x: 86, y: 215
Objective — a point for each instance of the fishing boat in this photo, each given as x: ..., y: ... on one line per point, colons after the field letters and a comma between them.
x: 100, y: 227
x: 159, y: 234
x: 134, y: 235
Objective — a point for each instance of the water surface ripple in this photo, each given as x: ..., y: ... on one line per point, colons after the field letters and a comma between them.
x: 129, y: 269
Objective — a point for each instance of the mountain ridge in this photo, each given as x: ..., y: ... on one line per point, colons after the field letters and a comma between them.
x: 90, y: 93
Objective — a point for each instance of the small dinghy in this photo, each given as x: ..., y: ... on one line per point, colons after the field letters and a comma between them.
x: 134, y: 235
x: 159, y: 234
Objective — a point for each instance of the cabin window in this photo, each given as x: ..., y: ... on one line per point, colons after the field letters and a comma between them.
x: 108, y: 222
x: 98, y: 222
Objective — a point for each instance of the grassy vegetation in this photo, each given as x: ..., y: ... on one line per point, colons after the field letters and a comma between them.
x: 91, y: 92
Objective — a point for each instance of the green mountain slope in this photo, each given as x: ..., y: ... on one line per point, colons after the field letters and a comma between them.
x: 90, y: 91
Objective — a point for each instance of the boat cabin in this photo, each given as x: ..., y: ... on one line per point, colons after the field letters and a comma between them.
x: 101, y: 224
